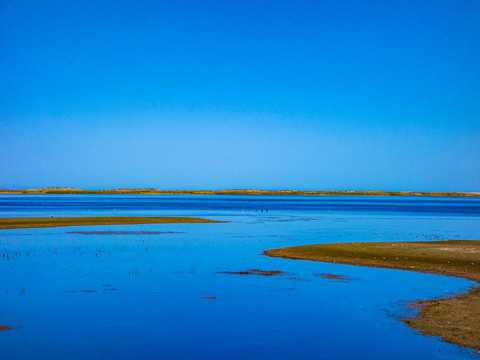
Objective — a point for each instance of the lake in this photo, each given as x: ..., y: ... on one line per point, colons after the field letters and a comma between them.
x: 169, y: 291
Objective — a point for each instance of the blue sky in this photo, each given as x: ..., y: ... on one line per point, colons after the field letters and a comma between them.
x: 240, y: 94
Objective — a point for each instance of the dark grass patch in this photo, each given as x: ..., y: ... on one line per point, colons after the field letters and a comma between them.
x: 254, y: 272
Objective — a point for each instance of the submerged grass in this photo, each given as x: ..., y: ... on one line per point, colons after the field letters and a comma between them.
x: 455, y: 319
x: 254, y: 272
x: 42, y: 222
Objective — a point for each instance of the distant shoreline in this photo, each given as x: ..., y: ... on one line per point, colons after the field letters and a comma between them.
x: 150, y: 191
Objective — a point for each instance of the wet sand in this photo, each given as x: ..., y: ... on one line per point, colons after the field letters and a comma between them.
x: 43, y: 222
x: 455, y: 319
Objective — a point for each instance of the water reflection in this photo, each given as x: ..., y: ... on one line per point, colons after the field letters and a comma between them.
x: 173, y: 290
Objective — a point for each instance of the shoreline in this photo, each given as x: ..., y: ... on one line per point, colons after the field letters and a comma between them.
x: 151, y: 191
x: 44, y: 222
x: 455, y: 319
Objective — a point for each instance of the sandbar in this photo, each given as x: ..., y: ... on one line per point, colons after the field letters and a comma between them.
x: 43, y: 222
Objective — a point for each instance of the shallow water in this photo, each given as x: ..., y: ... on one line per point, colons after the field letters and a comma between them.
x: 160, y: 291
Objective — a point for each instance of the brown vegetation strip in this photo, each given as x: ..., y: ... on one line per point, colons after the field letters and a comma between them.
x: 454, y: 319
x: 254, y: 272
x: 6, y: 327
x: 42, y: 222
x: 150, y: 191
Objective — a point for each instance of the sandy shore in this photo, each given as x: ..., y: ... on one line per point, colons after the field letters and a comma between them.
x: 455, y: 319
x: 42, y: 222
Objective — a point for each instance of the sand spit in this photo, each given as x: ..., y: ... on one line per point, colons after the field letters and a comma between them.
x: 455, y: 319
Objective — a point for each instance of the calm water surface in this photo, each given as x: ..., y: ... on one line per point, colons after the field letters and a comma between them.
x: 78, y: 292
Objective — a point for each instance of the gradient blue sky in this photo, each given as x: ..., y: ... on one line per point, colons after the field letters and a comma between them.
x: 240, y: 94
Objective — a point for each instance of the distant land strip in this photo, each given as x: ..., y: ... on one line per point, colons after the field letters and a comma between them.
x: 456, y: 319
x: 151, y: 191
x: 43, y: 222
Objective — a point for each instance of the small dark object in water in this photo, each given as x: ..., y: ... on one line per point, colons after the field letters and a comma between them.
x: 7, y: 327
x: 209, y: 297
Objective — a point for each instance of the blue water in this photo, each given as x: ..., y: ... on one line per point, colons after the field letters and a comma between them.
x: 142, y: 296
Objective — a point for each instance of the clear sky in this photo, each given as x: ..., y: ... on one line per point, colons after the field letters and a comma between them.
x: 325, y: 95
